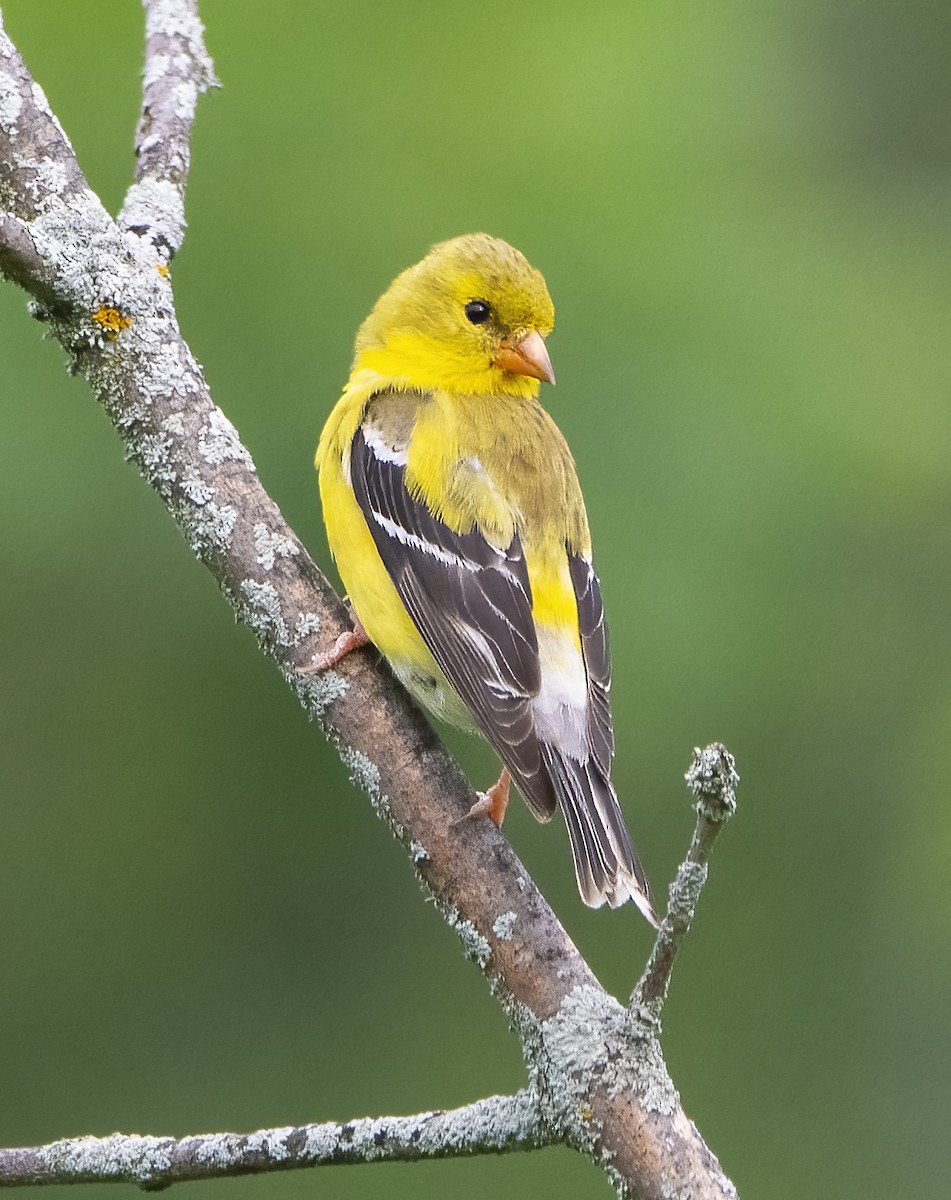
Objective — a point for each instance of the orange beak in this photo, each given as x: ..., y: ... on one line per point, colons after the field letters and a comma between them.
x: 526, y: 355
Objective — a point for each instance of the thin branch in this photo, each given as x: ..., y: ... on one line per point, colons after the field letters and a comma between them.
x: 596, y: 1072
x: 713, y: 779
x: 177, y: 71
x: 496, y: 1125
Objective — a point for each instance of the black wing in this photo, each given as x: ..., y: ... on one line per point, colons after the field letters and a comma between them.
x: 606, y: 863
x: 597, y: 660
x: 472, y: 604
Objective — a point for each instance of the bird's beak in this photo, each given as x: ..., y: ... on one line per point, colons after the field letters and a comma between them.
x: 526, y: 355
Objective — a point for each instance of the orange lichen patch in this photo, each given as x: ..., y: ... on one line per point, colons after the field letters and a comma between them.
x: 111, y: 321
x: 163, y: 270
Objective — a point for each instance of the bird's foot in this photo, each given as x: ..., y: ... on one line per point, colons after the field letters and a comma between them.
x: 352, y: 639
x: 494, y: 802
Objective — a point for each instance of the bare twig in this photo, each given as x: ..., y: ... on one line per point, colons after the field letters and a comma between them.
x: 713, y: 779
x: 496, y: 1125
x: 597, y: 1079
x: 177, y: 71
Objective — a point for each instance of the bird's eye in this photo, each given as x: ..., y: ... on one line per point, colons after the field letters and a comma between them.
x: 478, y: 311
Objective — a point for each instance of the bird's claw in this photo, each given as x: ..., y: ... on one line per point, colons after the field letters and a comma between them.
x: 351, y: 639
x: 493, y: 802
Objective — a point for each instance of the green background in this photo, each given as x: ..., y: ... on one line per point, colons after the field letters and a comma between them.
x: 742, y: 211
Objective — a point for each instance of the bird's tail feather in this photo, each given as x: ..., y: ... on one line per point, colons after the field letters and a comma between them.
x: 606, y: 864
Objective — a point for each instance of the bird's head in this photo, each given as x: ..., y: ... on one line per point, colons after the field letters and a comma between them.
x: 470, y: 318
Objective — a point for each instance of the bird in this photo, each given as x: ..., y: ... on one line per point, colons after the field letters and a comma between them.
x: 455, y: 517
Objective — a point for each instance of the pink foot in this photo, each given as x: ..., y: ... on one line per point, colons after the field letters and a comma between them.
x: 494, y: 802
x: 353, y: 639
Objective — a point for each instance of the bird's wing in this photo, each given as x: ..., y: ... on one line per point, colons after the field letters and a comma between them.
x: 597, y: 659
x: 471, y: 602
x: 577, y: 746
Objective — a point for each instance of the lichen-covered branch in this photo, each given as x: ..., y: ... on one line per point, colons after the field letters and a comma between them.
x: 496, y: 1125
x: 177, y: 71
x: 713, y: 779
x: 597, y: 1079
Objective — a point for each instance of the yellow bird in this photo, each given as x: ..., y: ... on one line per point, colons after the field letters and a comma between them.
x: 455, y: 517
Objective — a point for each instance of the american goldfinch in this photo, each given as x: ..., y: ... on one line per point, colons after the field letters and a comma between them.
x: 456, y: 520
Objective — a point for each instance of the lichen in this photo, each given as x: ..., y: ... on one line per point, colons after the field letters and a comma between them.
x: 171, y: 372
x: 270, y: 546
x: 593, y: 1035
x: 363, y: 772
x: 306, y: 624
x: 11, y: 102
x: 503, y: 925
x: 156, y: 207
x: 193, y: 485
x: 218, y: 442
x: 151, y: 451
x: 209, y: 528
x: 49, y: 176
x: 317, y: 692
x: 366, y: 775
x: 111, y: 320
x: 174, y: 423
x: 591, y: 1045
x: 261, y: 611
x: 475, y: 945
x: 713, y: 779
x: 271, y: 1143
x: 118, y: 1156
x: 155, y: 67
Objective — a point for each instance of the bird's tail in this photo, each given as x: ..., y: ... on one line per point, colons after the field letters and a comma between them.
x: 606, y: 864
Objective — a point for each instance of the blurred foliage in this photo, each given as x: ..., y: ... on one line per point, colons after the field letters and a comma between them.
x: 742, y: 212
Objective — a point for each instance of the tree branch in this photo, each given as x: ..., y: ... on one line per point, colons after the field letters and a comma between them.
x: 177, y: 71
x: 597, y: 1078
x: 713, y: 779
x: 496, y: 1125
